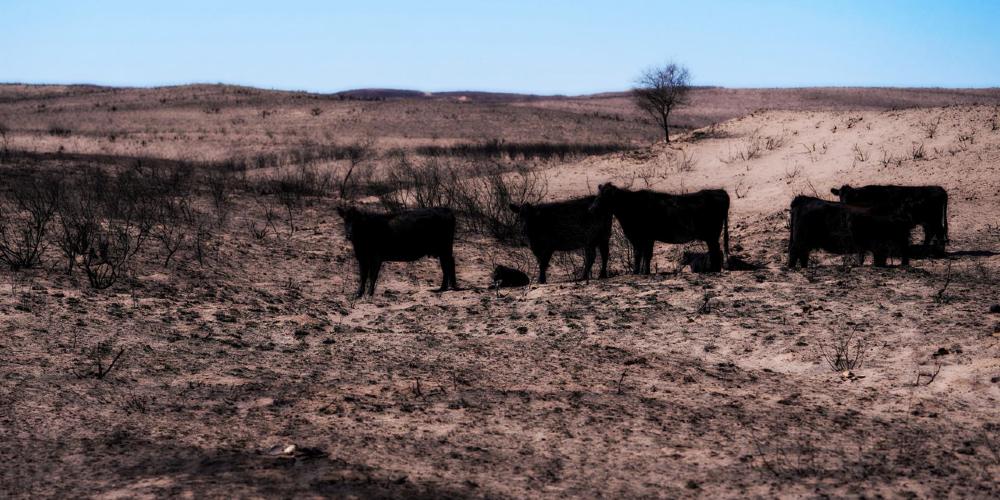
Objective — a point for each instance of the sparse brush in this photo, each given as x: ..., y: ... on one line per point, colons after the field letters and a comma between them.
x: 967, y: 137
x: 846, y: 353
x: 930, y: 128
x: 860, y: 154
x: 890, y: 160
x: 99, y: 361
x: 754, y: 145
x: 685, y: 163
x: 59, y: 131
x: 917, y: 151
x: 24, y: 221
x: 496, y: 149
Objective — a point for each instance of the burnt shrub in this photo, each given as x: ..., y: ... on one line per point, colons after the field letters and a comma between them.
x: 25, y: 214
x: 59, y: 131
x: 498, y: 149
x: 481, y: 193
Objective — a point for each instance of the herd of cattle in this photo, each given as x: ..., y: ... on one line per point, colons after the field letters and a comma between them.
x: 871, y: 219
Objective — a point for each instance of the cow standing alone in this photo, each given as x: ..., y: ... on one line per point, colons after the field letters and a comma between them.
x: 564, y: 226
x: 844, y: 229
x: 925, y: 206
x: 401, y: 237
x: 649, y: 216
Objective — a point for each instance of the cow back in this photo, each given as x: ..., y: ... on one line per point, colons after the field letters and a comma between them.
x: 565, y: 225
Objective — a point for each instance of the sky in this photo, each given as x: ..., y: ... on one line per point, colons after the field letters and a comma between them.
x: 542, y: 47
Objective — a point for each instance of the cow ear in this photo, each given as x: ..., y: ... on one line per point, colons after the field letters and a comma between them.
x: 341, y: 211
x: 514, y: 207
x: 835, y: 191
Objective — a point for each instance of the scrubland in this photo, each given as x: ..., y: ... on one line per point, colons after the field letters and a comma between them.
x: 203, y: 339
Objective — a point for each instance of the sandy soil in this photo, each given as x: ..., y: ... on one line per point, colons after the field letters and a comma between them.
x: 672, y: 385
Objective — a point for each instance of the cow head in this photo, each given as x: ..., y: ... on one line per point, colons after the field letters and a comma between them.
x: 844, y: 192
x: 350, y: 216
x: 606, y: 194
x: 524, y: 211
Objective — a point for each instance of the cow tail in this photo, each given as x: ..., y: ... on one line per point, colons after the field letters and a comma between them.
x: 791, y: 230
x: 725, y: 240
x: 944, y: 215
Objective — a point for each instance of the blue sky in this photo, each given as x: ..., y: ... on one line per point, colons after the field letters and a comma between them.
x: 567, y: 47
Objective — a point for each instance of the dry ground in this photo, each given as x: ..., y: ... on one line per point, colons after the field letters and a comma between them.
x: 671, y: 385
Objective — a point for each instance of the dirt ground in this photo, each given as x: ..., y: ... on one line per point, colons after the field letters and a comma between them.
x: 256, y: 374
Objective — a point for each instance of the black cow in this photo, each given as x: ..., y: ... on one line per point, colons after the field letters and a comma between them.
x: 925, y: 206
x: 845, y: 229
x: 401, y: 237
x: 649, y: 216
x: 564, y: 226
x: 508, y: 277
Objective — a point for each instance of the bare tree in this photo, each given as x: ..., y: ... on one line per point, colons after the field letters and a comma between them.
x: 659, y: 90
x: 358, y: 153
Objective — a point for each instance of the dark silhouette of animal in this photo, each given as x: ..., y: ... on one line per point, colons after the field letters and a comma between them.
x: 508, y: 277
x: 700, y: 262
x: 845, y: 229
x: 401, y: 237
x: 564, y: 226
x: 925, y: 206
x: 649, y: 216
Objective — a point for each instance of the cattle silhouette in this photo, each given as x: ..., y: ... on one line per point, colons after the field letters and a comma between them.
x: 649, y: 216
x: 508, y: 277
x: 845, y: 229
x: 926, y: 206
x: 400, y: 237
x: 564, y: 226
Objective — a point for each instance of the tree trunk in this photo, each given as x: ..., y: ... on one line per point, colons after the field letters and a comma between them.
x: 666, y: 129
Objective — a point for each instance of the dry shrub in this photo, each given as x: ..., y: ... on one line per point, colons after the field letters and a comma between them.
x: 930, y: 128
x: 498, y: 149
x: 847, y: 352
x: 889, y: 159
x: 24, y: 220
x: 754, y: 145
x: 860, y: 155
x: 480, y: 193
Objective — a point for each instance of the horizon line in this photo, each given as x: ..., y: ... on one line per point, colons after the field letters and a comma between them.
x: 472, y: 90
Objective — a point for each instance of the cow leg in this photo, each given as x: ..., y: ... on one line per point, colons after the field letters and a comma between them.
x: 447, y: 272
x: 451, y: 272
x: 376, y: 266
x: 879, y: 258
x: 636, y: 259
x: 363, y: 271
x: 647, y: 257
x: 929, y: 233
x: 604, y: 260
x: 793, y: 257
x: 543, y: 265
x: 589, y: 256
x: 937, y: 237
x: 714, y: 256
x: 804, y: 258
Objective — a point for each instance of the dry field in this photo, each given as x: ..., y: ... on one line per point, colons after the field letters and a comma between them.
x: 245, y: 368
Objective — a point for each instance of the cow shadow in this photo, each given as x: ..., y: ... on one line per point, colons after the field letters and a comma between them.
x: 181, y: 469
x: 929, y: 252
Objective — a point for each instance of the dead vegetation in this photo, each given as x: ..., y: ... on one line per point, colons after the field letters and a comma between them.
x: 235, y: 349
